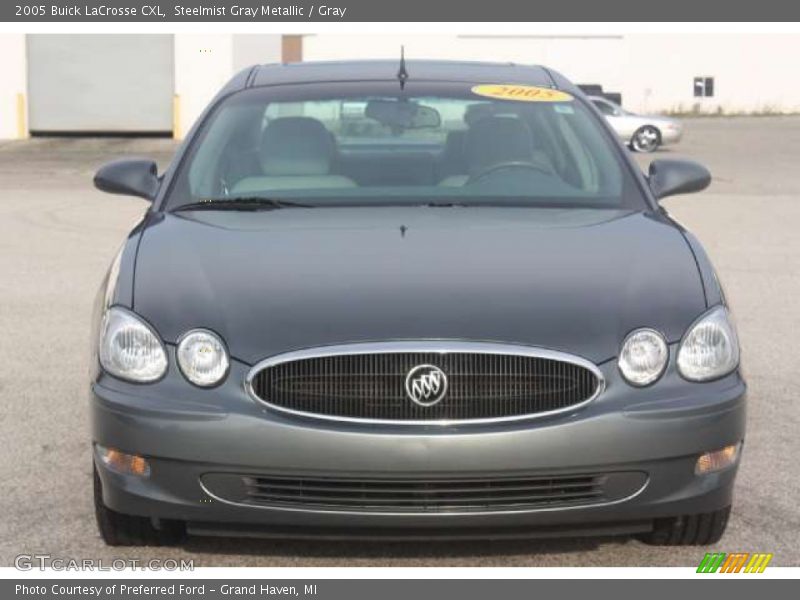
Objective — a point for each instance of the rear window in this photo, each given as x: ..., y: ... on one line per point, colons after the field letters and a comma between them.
x: 353, y: 144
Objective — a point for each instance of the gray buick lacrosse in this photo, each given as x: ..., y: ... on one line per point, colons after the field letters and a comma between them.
x: 411, y: 300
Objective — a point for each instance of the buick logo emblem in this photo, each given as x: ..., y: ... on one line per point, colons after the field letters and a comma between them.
x: 426, y: 385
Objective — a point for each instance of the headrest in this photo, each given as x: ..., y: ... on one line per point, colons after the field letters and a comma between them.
x: 496, y: 140
x: 476, y: 112
x: 296, y: 146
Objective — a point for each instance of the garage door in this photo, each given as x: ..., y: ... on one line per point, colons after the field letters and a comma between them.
x: 100, y: 83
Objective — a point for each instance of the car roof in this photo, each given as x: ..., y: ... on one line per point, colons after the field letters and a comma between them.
x: 418, y: 70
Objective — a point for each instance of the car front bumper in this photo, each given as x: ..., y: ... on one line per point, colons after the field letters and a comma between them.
x: 186, y: 433
x: 671, y: 135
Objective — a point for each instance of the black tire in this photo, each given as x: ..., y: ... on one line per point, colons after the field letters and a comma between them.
x: 646, y: 139
x: 118, y: 529
x: 689, y: 530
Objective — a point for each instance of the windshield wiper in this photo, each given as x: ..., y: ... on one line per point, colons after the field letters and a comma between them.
x: 242, y: 203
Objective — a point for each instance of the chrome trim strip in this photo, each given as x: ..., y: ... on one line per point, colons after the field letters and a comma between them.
x: 432, y: 514
x: 431, y: 346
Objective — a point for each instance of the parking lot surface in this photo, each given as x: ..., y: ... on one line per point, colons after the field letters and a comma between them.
x: 58, y: 235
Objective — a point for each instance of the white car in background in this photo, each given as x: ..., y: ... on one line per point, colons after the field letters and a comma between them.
x: 642, y: 133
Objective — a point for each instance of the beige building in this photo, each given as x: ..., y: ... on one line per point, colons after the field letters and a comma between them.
x: 158, y: 84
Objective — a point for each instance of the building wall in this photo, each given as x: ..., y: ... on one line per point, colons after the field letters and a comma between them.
x: 249, y: 50
x: 654, y: 72
x: 752, y: 72
x: 204, y: 63
x: 100, y: 82
x: 590, y: 59
x: 13, y: 86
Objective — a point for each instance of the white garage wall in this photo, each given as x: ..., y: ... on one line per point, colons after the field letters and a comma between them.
x: 13, y: 81
x: 100, y: 82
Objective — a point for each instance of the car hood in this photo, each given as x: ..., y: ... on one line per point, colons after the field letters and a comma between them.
x: 268, y: 282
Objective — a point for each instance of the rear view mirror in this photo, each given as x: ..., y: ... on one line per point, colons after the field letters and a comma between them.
x: 426, y: 117
x: 130, y: 177
x: 402, y: 115
x: 668, y: 177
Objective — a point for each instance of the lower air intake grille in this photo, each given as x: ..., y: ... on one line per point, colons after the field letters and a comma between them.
x: 368, y: 493
x: 434, y: 495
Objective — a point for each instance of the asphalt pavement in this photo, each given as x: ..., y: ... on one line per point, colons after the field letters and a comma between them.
x: 58, y: 235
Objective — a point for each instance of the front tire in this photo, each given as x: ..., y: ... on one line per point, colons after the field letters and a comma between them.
x: 689, y: 530
x: 118, y: 529
x: 646, y: 139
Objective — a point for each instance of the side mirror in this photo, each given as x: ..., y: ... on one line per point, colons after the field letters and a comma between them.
x: 668, y: 177
x: 129, y: 176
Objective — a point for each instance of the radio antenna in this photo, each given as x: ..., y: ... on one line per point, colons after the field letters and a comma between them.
x: 402, y: 74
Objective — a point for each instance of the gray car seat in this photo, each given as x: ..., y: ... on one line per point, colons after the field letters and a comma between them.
x: 295, y: 153
x: 497, y: 140
x: 454, y: 158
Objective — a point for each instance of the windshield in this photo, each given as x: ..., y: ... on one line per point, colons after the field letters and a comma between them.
x: 429, y: 144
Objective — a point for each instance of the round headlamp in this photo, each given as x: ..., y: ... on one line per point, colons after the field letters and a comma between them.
x: 643, y: 357
x: 202, y: 357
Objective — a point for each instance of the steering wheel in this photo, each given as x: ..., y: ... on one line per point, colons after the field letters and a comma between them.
x: 509, y: 164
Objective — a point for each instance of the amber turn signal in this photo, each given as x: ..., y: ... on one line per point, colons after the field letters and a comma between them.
x: 711, y: 462
x: 128, y: 464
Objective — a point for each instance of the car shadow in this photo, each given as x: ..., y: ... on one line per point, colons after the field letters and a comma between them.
x: 383, y: 549
x: 656, y: 152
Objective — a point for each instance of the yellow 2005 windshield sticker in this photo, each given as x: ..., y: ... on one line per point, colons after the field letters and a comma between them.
x: 521, y: 93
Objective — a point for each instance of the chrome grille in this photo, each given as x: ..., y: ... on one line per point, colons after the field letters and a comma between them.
x: 365, y: 382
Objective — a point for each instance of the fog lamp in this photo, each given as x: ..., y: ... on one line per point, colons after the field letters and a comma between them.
x: 711, y: 462
x: 127, y: 464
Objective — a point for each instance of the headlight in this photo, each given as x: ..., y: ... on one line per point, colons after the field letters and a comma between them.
x: 710, y: 349
x: 129, y: 348
x: 202, y: 358
x: 644, y: 357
